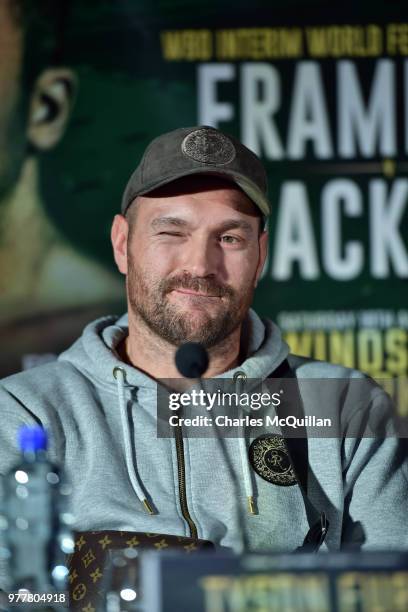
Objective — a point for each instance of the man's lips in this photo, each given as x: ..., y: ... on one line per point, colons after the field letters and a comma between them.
x: 195, y: 293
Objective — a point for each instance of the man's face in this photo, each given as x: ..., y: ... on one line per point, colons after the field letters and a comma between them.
x: 194, y: 255
x: 12, y: 129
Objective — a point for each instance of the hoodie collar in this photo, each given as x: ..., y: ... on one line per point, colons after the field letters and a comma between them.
x: 95, y: 352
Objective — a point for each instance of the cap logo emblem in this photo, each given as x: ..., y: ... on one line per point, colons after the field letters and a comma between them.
x: 208, y: 147
x: 269, y: 457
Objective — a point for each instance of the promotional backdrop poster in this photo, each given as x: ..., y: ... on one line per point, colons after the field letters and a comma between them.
x: 319, y: 92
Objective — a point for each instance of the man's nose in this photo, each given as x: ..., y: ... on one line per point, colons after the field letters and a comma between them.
x: 202, y: 256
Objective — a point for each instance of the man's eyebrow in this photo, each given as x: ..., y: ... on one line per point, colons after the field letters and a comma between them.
x: 229, y: 224
x: 162, y: 221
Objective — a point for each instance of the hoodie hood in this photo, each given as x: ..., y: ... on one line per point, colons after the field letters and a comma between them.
x: 95, y: 352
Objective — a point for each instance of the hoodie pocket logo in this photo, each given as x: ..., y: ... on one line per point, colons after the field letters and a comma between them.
x: 269, y: 457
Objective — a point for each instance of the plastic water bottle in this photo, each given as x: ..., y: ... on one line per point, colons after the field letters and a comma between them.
x: 35, y: 520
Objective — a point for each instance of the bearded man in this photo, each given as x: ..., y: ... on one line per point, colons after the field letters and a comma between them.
x: 191, y: 242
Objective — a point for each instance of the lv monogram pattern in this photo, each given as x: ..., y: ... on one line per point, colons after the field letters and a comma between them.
x: 88, y: 561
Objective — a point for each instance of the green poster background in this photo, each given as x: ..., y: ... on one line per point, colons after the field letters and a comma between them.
x: 278, y: 76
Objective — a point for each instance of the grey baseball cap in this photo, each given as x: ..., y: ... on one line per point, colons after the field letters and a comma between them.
x: 198, y: 150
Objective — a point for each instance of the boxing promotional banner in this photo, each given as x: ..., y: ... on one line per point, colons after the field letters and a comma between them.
x: 321, y: 96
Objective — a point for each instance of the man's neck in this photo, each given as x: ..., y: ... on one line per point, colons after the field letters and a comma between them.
x: 22, y: 215
x: 151, y: 354
x: 39, y: 270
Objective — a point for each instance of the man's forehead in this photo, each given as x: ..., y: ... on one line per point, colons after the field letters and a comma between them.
x: 11, y: 34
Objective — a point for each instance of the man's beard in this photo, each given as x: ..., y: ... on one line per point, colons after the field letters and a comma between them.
x: 148, y: 300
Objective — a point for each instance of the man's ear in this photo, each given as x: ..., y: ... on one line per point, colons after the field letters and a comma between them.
x: 51, y: 103
x: 263, y: 252
x: 119, y: 236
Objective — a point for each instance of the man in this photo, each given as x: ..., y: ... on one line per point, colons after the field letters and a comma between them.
x: 48, y: 288
x: 191, y: 243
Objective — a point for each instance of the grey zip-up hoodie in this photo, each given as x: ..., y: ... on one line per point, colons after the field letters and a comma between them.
x: 103, y: 432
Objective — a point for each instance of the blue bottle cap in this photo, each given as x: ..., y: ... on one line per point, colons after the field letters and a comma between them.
x: 32, y: 439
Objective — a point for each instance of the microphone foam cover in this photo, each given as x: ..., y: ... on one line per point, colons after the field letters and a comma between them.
x: 191, y: 359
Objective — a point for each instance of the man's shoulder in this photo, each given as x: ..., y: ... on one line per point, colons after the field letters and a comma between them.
x: 328, y: 381
x: 40, y: 380
x: 307, y: 367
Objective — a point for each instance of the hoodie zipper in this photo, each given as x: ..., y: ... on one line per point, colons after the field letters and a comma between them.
x: 178, y: 435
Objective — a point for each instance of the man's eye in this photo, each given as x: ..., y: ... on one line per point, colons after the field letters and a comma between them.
x: 230, y: 239
x: 170, y: 234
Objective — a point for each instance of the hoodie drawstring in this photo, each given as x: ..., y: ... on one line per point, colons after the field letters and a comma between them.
x: 120, y: 375
x: 240, y: 379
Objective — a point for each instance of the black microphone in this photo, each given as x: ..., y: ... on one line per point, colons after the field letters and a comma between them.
x: 192, y: 360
